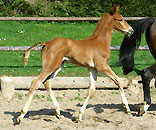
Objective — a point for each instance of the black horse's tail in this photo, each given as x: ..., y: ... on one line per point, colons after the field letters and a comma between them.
x: 130, y: 44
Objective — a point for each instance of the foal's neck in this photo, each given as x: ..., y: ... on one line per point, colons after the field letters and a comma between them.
x: 104, y: 28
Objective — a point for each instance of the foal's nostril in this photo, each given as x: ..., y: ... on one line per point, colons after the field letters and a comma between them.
x: 130, y: 32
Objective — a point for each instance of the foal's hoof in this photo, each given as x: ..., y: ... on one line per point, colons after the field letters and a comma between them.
x: 141, y: 111
x: 128, y: 112
x: 58, y: 116
x: 78, y: 120
x: 18, y: 121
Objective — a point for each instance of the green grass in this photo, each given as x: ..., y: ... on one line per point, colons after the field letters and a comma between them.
x: 36, y: 32
x: 28, y: 33
x: 25, y: 34
x: 78, y: 97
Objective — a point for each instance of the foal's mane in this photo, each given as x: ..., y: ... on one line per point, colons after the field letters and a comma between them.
x: 99, y: 25
x: 103, y: 19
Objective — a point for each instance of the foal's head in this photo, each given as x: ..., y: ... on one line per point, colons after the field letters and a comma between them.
x: 119, y: 23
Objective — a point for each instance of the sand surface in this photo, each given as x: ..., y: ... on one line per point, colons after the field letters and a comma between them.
x: 104, y: 111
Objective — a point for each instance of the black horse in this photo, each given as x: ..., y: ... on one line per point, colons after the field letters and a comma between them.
x: 127, y: 50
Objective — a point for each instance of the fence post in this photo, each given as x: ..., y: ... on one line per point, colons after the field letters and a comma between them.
x: 7, y: 88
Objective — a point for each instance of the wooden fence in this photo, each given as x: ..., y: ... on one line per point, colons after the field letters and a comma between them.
x: 60, y: 18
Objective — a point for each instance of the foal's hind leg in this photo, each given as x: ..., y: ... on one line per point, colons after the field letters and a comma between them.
x: 107, y: 70
x: 146, y: 74
x: 47, y: 84
x: 93, y: 79
x: 36, y: 83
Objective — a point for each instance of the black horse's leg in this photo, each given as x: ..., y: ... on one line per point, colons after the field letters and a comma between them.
x: 146, y: 74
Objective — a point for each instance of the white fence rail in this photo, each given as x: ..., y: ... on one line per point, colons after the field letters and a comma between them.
x: 23, y: 48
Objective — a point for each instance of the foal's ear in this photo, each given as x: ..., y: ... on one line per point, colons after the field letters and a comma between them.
x: 114, y: 9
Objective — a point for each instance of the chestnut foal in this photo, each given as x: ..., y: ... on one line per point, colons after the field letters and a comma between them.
x: 92, y: 52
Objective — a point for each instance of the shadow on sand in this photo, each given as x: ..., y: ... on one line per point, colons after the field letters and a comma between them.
x: 49, y: 114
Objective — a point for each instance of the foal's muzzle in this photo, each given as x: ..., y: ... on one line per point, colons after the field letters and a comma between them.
x: 129, y: 32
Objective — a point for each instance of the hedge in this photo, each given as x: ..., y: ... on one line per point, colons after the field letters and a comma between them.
x: 76, y: 8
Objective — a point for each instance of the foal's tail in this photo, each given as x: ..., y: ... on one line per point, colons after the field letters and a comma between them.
x: 130, y: 44
x: 27, y: 52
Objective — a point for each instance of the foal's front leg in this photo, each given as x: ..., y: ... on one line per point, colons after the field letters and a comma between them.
x: 93, y: 79
x: 107, y: 70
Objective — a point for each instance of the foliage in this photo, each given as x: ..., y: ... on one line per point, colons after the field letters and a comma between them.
x: 74, y: 8
x: 16, y: 8
x: 138, y: 8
